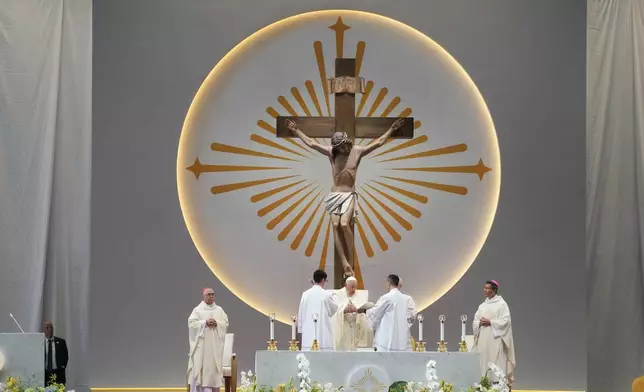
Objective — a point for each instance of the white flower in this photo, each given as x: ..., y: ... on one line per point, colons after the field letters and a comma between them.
x: 432, y: 378
x: 303, y: 374
x: 501, y: 385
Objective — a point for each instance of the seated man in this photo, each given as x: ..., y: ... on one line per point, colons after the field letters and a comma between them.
x: 350, y: 329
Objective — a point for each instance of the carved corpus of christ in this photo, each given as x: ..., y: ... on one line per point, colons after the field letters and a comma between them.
x: 342, y: 202
x: 343, y: 129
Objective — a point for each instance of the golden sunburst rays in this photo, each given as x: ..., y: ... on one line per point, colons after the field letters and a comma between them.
x: 280, y: 189
x: 319, y: 57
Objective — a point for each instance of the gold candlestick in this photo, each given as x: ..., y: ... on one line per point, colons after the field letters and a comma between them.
x: 293, y: 346
x: 462, y: 347
x: 413, y: 343
x: 315, y: 346
x: 442, y: 347
x: 272, y: 345
x: 420, y: 346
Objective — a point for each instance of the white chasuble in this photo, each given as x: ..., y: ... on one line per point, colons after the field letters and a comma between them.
x: 495, y: 343
x: 205, y: 363
x: 390, y: 318
x: 351, y: 330
x: 319, y: 302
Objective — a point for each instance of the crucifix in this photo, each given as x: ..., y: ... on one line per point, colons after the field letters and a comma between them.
x: 344, y: 155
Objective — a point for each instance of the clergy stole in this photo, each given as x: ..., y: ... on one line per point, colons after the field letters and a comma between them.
x: 390, y: 318
x: 495, y: 343
x: 319, y: 302
x: 351, y: 330
x: 205, y: 363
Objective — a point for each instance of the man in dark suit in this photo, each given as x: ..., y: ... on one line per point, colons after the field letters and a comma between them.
x: 56, y: 356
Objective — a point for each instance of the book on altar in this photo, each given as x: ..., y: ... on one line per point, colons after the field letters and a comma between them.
x: 367, y: 305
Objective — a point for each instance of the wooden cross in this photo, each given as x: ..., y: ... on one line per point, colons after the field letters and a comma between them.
x: 346, y: 121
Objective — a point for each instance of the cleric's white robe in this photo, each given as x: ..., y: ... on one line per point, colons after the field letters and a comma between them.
x: 205, y: 362
x: 495, y: 343
x: 390, y: 319
x: 318, y: 301
x: 350, y: 330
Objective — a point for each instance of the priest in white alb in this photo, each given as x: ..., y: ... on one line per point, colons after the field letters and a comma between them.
x: 493, y: 332
x: 207, y: 325
x: 350, y: 329
x: 391, y: 317
x: 317, y: 306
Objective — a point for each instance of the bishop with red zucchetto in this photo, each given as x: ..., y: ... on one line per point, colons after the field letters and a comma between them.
x: 207, y: 325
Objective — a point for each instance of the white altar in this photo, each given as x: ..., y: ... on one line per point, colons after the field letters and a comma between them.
x: 23, y: 355
x: 352, y: 369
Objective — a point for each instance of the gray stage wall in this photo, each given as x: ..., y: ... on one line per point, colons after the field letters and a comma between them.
x: 150, y: 57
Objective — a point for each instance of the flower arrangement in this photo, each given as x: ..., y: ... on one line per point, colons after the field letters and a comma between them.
x: 432, y: 384
x: 485, y: 385
x: 432, y: 377
x: 16, y: 384
x: 248, y: 382
x: 303, y: 367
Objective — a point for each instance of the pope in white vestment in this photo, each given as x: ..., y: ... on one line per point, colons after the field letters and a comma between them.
x: 350, y: 329
x: 317, y: 302
x: 391, y: 318
x: 493, y: 333
x: 207, y: 325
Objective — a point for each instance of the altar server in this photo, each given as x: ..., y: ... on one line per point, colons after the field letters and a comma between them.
x: 350, y: 329
x: 391, y: 317
x: 207, y: 326
x: 493, y: 332
x: 317, y: 304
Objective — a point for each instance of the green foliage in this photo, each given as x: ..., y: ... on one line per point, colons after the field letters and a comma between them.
x: 289, y: 385
x: 16, y: 384
x: 446, y: 387
x: 262, y: 388
x: 398, y: 386
x: 317, y: 388
x: 485, y: 382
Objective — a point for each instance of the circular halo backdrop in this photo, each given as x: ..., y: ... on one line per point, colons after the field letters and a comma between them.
x: 252, y: 202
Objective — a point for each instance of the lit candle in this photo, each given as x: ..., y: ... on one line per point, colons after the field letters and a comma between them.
x: 420, y: 327
x: 442, y: 320
x: 294, y: 320
x: 272, y: 318
x: 463, y: 331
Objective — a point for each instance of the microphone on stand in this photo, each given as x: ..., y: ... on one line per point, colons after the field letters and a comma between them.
x: 17, y: 323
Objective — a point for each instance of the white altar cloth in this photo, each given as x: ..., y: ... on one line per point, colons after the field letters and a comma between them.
x: 347, y: 368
